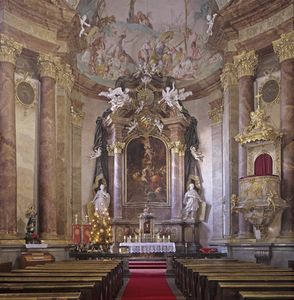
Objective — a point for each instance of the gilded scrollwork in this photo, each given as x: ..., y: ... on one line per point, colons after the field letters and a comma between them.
x: 216, y: 115
x: 284, y: 47
x: 9, y: 49
x: 77, y: 116
x: 245, y: 63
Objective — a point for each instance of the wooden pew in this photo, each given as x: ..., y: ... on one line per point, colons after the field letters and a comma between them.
x: 112, y: 274
x: 43, y: 296
x: 6, y: 266
x: 88, y: 290
x: 56, y: 280
x: 208, y: 290
x: 200, y: 274
x: 230, y: 290
x: 266, y: 295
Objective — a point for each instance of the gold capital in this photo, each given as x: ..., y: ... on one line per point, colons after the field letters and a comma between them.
x: 284, y: 47
x: 9, y: 49
x: 48, y: 65
x: 245, y: 63
x: 116, y: 148
x: 177, y: 147
x: 65, y: 76
x: 228, y: 76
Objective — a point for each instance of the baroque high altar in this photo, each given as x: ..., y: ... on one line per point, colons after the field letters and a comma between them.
x: 150, y: 144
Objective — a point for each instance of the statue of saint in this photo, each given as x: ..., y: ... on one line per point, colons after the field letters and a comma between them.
x: 101, y: 200
x: 191, y: 202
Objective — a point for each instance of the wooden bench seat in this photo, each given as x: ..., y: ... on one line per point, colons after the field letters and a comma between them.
x: 208, y: 289
x: 50, y: 279
x: 88, y: 290
x: 266, y: 295
x: 230, y: 290
x: 43, y: 296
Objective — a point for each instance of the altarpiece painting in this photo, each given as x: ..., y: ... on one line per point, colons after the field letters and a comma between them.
x: 146, y: 172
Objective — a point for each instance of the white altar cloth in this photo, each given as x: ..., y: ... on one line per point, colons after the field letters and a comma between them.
x: 163, y: 247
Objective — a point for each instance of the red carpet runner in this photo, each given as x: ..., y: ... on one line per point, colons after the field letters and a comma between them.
x: 148, y: 283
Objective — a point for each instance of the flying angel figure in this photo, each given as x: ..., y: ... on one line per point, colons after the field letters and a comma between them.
x: 118, y: 97
x: 172, y: 97
x: 210, y: 22
x: 83, y: 24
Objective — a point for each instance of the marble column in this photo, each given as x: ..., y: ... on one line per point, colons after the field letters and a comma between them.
x: 65, y: 82
x: 284, y: 48
x: 47, y: 149
x: 9, y: 50
x: 117, y: 180
x: 77, y: 117
x: 177, y: 186
x: 230, y: 147
x: 216, y: 114
x: 245, y: 64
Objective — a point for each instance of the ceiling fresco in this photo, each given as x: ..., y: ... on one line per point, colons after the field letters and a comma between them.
x: 167, y: 37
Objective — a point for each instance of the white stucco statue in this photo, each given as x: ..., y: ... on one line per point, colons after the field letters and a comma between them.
x: 101, y: 200
x: 191, y: 202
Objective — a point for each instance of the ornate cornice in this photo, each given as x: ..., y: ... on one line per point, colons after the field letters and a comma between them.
x: 65, y: 77
x: 9, y: 49
x: 228, y: 76
x: 245, y: 63
x: 216, y: 112
x: 284, y: 47
x: 48, y: 65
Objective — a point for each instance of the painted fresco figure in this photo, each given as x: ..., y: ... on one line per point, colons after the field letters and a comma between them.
x: 191, y: 202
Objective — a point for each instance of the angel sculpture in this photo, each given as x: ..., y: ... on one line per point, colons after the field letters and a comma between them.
x: 159, y: 125
x: 118, y: 97
x: 83, y: 24
x: 96, y: 153
x: 196, y: 154
x: 210, y: 22
x: 172, y: 97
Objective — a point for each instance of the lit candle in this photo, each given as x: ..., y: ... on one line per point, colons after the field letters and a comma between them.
x: 125, y: 238
x: 76, y: 218
x: 168, y: 238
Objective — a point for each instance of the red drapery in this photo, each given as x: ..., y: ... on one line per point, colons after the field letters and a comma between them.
x: 263, y: 165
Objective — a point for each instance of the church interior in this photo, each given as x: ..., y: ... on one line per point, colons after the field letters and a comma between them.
x: 147, y: 130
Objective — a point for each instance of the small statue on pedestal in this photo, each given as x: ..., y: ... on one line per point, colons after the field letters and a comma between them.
x: 31, y: 236
x: 191, y: 202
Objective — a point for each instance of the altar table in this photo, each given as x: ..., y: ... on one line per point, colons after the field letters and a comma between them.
x: 162, y: 247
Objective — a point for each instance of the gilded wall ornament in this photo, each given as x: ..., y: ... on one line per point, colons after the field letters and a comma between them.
x: 284, y: 47
x: 259, y: 128
x: 229, y: 76
x: 9, y: 49
x: 245, y: 63
x: 216, y: 115
x: 48, y: 65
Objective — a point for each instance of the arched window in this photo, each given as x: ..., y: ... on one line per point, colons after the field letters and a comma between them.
x: 263, y: 165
